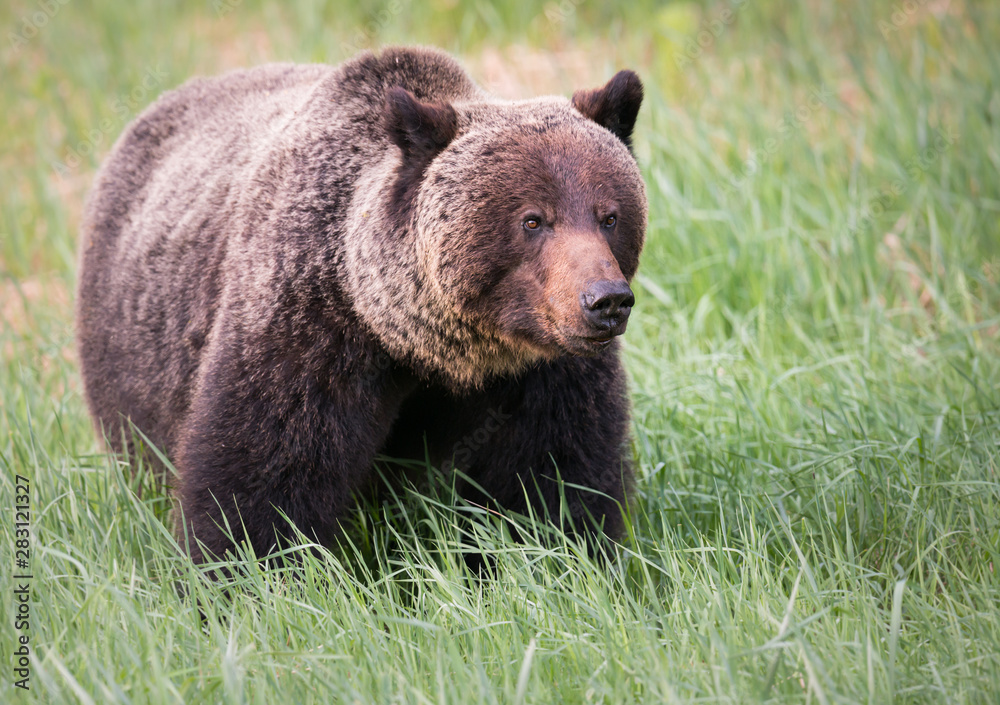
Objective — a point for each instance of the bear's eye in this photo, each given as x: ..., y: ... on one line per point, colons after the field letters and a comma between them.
x: 610, y: 221
x: 532, y: 223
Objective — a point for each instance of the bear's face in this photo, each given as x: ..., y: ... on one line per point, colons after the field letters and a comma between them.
x: 535, y: 229
x: 525, y: 219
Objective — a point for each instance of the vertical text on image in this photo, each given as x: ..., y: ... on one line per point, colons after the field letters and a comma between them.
x: 22, y: 582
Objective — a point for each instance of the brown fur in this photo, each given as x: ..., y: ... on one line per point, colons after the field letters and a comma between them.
x: 255, y: 242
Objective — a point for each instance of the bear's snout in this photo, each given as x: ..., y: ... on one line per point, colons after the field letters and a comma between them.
x: 606, y: 306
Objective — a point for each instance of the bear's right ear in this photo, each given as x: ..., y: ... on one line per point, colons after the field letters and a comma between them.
x: 420, y: 129
x: 615, y: 105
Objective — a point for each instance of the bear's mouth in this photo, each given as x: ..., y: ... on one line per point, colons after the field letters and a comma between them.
x: 599, y: 340
x: 586, y: 345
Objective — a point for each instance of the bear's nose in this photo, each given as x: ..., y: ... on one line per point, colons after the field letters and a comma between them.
x: 608, y: 303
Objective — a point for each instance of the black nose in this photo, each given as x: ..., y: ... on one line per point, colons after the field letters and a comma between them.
x: 608, y: 303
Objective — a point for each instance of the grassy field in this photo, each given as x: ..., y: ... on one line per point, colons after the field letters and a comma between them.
x: 813, y: 358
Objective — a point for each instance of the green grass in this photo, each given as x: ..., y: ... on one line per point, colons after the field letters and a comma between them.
x: 814, y: 364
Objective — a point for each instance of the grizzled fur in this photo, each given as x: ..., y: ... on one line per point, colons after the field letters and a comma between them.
x: 290, y: 269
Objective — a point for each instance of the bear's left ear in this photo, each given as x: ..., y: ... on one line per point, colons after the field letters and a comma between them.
x: 420, y: 129
x: 615, y: 106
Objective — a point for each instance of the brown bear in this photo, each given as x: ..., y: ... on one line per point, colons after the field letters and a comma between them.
x: 290, y: 269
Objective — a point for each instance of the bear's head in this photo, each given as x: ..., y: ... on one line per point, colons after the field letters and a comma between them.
x: 526, y: 220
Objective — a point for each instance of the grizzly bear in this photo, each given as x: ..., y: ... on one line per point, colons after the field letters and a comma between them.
x: 288, y: 270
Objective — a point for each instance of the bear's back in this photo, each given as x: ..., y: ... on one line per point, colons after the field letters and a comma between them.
x: 200, y: 169
x: 179, y: 158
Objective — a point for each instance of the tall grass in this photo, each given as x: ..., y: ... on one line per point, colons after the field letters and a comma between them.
x: 813, y: 356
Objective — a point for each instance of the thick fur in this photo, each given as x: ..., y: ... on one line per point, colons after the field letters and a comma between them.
x: 290, y: 269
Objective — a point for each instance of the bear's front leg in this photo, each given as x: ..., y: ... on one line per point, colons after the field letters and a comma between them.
x: 563, y: 420
x: 277, y: 427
